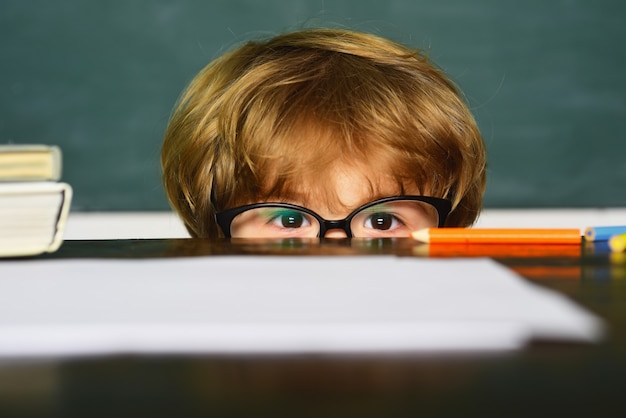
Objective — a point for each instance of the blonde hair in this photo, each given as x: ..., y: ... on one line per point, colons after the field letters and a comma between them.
x: 274, y: 115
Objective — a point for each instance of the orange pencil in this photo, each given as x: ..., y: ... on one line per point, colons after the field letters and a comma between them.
x: 498, y: 236
x: 498, y: 250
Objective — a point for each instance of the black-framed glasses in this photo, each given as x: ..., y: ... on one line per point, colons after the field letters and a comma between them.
x: 395, y: 216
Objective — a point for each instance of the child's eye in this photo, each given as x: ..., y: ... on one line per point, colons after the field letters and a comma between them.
x: 289, y: 219
x: 382, y: 221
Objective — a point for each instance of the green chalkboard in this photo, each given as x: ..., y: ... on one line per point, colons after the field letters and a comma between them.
x: 546, y: 80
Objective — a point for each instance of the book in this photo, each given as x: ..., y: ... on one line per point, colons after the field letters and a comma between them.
x: 32, y: 217
x: 34, y: 204
x: 30, y: 163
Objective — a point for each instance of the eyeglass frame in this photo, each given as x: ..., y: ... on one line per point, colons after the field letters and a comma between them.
x: 225, y: 218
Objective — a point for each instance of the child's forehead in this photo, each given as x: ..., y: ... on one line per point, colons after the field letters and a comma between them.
x: 343, y: 187
x: 321, y: 163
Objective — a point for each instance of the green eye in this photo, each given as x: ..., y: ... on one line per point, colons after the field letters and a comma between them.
x: 286, y: 218
x: 292, y: 220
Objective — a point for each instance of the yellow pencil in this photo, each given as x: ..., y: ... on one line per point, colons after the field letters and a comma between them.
x: 617, y: 243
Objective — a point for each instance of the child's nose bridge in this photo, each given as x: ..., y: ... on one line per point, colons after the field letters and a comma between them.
x: 335, y: 233
x: 336, y: 229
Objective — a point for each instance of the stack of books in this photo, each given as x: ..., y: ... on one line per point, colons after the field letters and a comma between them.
x: 34, y: 204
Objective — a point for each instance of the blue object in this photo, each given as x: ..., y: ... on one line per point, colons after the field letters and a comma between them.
x: 603, y: 233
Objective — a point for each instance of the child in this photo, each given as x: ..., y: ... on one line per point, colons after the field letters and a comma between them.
x: 322, y: 132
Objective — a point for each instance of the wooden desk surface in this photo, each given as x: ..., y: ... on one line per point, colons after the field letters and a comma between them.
x: 542, y: 380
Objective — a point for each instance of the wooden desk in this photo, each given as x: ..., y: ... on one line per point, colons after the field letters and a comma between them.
x: 542, y: 380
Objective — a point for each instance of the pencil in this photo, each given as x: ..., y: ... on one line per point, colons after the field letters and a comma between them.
x: 498, y: 236
x: 497, y: 250
x: 618, y: 243
x: 603, y: 233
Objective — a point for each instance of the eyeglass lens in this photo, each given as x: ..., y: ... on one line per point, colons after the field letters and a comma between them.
x: 396, y: 218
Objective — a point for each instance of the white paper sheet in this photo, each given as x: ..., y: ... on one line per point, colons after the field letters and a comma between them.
x: 276, y: 304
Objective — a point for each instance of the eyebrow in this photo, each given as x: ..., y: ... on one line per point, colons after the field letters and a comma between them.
x: 287, y: 194
x: 306, y: 203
